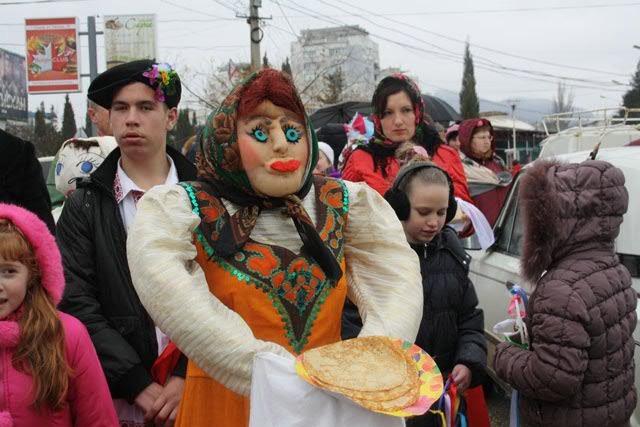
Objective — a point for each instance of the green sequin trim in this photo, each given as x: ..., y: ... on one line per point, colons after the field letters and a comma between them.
x: 274, y: 294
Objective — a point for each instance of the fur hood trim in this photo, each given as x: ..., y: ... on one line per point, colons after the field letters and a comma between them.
x: 569, y: 207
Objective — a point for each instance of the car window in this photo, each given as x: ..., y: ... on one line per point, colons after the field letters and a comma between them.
x: 632, y: 262
x: 510, y: 229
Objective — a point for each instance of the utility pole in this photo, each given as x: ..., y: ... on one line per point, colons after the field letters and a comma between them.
x: 256, y: 34
x: 93, y: 55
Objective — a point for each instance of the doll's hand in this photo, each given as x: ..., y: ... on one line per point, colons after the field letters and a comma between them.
x: 462, y: 377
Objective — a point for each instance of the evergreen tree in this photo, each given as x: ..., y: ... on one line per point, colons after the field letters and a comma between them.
x: 40, y: 128
x: 183, y: 129
x: 88, y: 124
x: 631, y: 99
x: 194, y: 121
x: 333, y: 87
x: 265, y: 61
x: 286, y: 67
x: 469, y: 104
x: 68, y: 120
x: 46, y: 137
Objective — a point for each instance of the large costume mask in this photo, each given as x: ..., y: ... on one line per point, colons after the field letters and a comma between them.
x: 258, y: 151
x: 78, y: 158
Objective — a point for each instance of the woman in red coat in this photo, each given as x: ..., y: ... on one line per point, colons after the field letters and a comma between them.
x: 398, y: 111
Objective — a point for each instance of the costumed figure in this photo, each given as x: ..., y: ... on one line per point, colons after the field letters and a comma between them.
x: 398, y: 116
x: 77, y: 158
x: 258, y: 254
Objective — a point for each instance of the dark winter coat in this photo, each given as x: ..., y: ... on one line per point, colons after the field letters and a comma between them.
x: 21, y: 180
x: 99, y: 291
x: 452, y: 326
x: 581, y: 315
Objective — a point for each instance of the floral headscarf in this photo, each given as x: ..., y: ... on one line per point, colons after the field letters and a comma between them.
x: 220, y: 165
x: 412, y: 89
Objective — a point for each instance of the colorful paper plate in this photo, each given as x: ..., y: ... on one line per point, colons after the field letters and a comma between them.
x: 431, y: 385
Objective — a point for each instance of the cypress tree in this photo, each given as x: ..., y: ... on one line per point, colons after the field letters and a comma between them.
x: 69, y: 128
x: 469, y: 104
x: 286, y: 67
x: 631, y: 99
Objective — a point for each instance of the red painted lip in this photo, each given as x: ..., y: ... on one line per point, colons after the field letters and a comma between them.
x: 285, y: 166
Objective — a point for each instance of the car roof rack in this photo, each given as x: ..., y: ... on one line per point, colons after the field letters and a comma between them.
x: 602, y: 118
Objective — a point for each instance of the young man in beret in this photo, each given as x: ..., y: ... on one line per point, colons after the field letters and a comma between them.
x: 145, y: 372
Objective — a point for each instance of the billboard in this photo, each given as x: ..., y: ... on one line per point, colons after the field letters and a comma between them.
x: 129, y: 37
x: 52, y: 55
x: 13, y: 87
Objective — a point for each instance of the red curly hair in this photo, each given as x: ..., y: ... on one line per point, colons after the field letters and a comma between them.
x: 271, y: 85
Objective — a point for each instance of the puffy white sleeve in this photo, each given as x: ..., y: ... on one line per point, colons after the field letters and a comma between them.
x: 173, y: 289
x: 383, y: 272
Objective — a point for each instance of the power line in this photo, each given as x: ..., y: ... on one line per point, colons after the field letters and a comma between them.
x: 17, y: 3
x: 183, y: 7
x: 490, y: 49
x: 285, y: 17
x: 448, y: 55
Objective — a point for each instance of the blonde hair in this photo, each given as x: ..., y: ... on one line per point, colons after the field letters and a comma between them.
x: 41, y: 350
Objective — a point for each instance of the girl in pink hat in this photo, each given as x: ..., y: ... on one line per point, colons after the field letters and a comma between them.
x: 49, y: 370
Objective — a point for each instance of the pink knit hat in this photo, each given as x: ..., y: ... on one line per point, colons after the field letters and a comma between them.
x: 44, y: 245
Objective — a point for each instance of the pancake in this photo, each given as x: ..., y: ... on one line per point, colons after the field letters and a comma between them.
x: 371, y: 371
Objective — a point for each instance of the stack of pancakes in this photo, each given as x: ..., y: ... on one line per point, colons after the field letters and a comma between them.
x: 372, y: 371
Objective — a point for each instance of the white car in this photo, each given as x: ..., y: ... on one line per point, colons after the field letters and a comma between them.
x: 490, y: 269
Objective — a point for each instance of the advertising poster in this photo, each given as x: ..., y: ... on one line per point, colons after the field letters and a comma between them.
x: 13, y: 87
x: 52, y: 55
x: 129, y: 37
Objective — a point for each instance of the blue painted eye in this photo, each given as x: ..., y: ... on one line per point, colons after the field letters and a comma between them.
x: 259, y: 135
x: 292, y: 134
x: 86, y: 167
x: 58, y: 168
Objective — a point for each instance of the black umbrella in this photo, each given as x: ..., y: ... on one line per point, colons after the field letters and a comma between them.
x: 339, y: 113
x: 343, y: 112
x: 439, y: 110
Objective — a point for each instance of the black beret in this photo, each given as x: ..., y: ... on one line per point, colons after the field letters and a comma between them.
x: 104, y: 87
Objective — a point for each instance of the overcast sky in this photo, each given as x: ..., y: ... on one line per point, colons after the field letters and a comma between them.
x: 520, y: 49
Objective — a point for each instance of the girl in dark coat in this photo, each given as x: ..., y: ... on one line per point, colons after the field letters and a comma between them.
x: 452, y: 327
x: 579, y: 370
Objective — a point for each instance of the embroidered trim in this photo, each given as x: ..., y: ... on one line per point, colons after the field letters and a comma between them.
x: 302, y: 285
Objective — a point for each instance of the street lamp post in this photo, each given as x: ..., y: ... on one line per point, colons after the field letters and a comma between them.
x: 513, y: 119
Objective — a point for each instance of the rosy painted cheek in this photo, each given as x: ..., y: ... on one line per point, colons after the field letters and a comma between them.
x: 252, y: 156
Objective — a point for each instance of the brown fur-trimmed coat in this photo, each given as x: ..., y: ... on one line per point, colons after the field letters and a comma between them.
x: 579, y: 370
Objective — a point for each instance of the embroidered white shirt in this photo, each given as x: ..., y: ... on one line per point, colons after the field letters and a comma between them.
x: 127, y: 193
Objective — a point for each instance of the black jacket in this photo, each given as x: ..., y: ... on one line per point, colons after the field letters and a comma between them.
x: 452, y: 326
x: 21, y: 180
x: 99, y: 290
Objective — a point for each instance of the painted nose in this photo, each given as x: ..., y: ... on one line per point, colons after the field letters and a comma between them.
x: 280, y: 143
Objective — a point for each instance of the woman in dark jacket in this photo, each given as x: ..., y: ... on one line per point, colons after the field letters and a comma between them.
x: 579, y: 369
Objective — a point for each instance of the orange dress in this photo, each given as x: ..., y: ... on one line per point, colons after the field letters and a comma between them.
x: 284, y: 297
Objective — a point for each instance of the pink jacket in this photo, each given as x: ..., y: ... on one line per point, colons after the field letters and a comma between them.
x: 89, y: 401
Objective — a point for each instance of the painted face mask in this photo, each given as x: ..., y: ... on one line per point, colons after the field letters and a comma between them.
x: 78, y: 158
x: 262, y: 126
